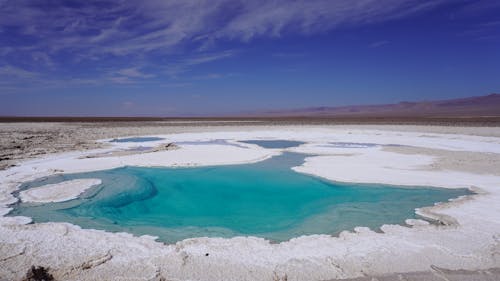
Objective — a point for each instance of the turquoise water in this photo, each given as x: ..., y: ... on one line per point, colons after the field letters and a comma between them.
x: 138, y: 139
x: 274, y: 143
x: 265, y: 199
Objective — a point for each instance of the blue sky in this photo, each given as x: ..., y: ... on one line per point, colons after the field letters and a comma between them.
x: 206, y: 57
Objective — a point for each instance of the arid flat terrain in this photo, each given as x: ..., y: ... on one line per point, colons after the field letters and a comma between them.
x: 28, y: 137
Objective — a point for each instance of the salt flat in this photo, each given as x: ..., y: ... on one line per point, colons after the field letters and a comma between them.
x: 467, y: 235
x: 59, y: 192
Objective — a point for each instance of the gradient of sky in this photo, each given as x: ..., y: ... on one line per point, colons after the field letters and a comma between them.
x: 173, y: 58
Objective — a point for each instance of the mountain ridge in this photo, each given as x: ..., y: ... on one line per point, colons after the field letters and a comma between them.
x: 487, y: 105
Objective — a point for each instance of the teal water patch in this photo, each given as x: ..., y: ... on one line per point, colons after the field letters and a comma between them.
x: 266, y: 199
x: 274, y: 143
x: 138, y: 139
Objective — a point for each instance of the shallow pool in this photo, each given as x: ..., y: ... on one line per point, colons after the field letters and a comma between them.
x: 266, y: 199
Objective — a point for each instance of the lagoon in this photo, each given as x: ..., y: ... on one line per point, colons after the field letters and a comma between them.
x: 274, y: 143
x: 265, y: 199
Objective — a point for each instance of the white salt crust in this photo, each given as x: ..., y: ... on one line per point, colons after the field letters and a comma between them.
x: 466, y: 237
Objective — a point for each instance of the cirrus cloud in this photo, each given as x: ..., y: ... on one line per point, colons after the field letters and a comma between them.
x: 120, y: 28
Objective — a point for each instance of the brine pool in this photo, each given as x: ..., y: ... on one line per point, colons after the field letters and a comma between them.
x: 265, y: 199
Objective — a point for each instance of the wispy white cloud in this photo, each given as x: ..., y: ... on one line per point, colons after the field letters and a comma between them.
x: 13, y: 77
x: 43, y: 58
x: 126, y: 27
x: 275, y: 18
x: 128, y: 75
x: 205, y: 58
x: 134, y: 72
x: 378, y: 44
x: 121, y: 80
x: 175, y: 68
x: 212, y: 76
x: 13, y: 72
x: 185, y: 33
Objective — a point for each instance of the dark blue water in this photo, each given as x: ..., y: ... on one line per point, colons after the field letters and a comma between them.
x: 265, y: 199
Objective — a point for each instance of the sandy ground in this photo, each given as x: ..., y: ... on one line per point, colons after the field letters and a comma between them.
x: 465, y: 245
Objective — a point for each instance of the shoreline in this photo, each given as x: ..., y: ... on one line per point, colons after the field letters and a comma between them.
x: 306, y: 249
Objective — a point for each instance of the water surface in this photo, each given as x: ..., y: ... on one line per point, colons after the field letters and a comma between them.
x: 265, y: 199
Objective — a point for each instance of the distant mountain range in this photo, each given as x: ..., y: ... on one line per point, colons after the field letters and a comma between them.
x: 479, y: 106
